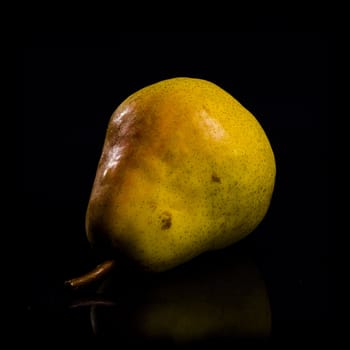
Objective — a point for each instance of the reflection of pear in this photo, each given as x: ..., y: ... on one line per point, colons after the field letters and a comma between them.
x: 204, y: 301
x: 184, y: 169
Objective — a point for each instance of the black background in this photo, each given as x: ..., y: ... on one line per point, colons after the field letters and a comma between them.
x: 68, y: 86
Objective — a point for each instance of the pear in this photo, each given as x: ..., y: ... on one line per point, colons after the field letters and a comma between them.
x: 184, y: 169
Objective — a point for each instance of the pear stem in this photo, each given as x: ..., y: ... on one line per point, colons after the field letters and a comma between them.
x: 95, y: 274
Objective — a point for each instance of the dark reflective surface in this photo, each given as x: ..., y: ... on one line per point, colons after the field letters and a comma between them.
x: 69, y: 84
x: 220, y: 296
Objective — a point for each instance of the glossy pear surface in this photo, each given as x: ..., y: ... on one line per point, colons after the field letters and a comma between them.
x: 185, y: 169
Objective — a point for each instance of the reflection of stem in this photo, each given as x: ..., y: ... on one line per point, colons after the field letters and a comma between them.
x: 98, y: 272
x: 92, y: 302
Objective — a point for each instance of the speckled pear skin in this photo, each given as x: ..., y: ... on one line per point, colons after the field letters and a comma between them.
x: 185, y: 169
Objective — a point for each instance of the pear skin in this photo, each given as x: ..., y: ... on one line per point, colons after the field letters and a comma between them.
x: 184, y: 169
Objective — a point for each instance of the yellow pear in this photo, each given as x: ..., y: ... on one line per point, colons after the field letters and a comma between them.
x: 185, y: 169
